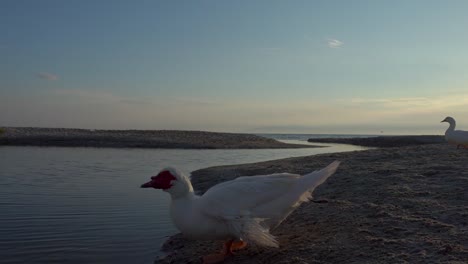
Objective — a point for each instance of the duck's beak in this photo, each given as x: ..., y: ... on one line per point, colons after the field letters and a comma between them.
x: 147, y: 185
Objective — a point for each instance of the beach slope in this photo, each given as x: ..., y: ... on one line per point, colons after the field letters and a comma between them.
x: 390, y: 205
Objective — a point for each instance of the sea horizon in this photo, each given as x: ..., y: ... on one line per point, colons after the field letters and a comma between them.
x: 266, y: 133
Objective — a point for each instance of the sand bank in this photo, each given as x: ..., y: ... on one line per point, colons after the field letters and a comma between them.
x: 389, y: 205
x: 385, y: 141
x: 65, y: 137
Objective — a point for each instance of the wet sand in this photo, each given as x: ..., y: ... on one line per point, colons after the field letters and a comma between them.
x: 389, y: 205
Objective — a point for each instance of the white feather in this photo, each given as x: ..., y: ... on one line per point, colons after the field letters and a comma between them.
x: 246, y: 208
x: 457, y: 137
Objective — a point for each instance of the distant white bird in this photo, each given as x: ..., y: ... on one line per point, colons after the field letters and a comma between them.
x: 240, y: 211
x: 456, y: 137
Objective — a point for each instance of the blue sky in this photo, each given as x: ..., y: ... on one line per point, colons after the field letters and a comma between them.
x: 241, y: 66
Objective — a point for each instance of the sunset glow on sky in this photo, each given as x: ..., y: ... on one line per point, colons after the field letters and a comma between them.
x: 399, y: 67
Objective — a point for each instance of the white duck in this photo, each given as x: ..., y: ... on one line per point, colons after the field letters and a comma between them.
x: 240, y: 211
x: 456, y: 137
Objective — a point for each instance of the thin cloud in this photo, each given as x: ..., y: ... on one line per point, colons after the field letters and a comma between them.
x: 88, y: 94
x: 196, y: 102
x: 269, y: 50
x: 272, y: 49
x: 334, y: 43
x: 105, y: 97
x: 47, y: 76
x: 131, y: 101
x: 390, y: 101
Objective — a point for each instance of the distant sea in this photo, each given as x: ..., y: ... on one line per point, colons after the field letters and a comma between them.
x: 305, y: 137
x: 84, y: 205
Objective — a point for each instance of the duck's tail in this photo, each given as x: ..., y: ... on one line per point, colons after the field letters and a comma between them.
x: 312, y: 180
x: 316, y: 178
x: 303, y: 190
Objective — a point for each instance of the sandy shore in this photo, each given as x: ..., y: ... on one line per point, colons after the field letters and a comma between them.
x: 385, y: 141
x: 64, y: 137
x: 388, y: 205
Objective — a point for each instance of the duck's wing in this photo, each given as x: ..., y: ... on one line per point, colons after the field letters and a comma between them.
x: 250, y: 205
x: 233, y: 202
x: 244, y: 194
x: 459, y: 136
x: 231, y: 198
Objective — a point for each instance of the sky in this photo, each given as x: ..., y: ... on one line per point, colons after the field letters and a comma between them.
x: 362, y: 67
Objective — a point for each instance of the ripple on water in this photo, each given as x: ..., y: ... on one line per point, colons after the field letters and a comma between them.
x: 84, y: 205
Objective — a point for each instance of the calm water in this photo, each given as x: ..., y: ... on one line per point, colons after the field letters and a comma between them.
x: 84, y: 205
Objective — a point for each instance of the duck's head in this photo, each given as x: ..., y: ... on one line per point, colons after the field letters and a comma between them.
x: 448, y: 119
x: 170, y: 180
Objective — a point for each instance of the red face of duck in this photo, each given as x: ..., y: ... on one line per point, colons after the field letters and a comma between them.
x: 160, y: 181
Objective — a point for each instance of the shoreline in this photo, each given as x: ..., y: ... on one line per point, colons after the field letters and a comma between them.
x: 169, y: 139
x: 386, y: 205
x: 384, y: 141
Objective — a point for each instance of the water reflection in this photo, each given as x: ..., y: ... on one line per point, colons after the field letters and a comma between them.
x: 84, y: 205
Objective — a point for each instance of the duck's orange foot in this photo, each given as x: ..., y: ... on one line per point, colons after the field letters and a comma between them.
x: 239, y: 244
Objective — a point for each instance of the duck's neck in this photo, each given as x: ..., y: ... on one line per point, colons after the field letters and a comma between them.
x: 188, y: 195
x: 451, y: 127
x: 181, y: 210
x: 184, y: 191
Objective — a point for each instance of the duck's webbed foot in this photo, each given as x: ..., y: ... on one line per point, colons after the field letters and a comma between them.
x: 238, y: 244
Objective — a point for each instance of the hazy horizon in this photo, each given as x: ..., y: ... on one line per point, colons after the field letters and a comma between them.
x: 328, y: 67
x: 267, y: 130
